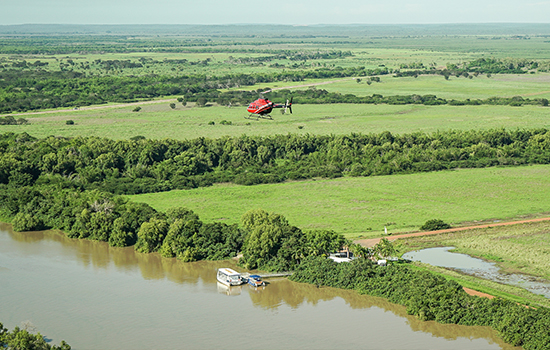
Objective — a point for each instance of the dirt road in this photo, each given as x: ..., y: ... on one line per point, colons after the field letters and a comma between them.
x: 91, y: 107
x: 149, y: 102
x: 373, y: 241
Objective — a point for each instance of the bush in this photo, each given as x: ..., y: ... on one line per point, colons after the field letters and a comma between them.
x: 69, y: 122
x: 434, y: 224
x: 137, y: 109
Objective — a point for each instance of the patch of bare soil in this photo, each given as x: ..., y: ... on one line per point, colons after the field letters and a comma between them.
x: 478, y: 294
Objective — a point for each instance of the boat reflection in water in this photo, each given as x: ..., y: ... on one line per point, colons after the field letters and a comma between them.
x: 227, y: 290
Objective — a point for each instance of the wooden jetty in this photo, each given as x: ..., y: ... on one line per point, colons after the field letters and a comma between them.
x: 268, y: 275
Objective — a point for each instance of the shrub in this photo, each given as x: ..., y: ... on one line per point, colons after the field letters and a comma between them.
x: 434, y: 224
x: 137, y: 109
x: 69, y: 122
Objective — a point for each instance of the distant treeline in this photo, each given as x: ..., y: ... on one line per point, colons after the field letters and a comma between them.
x: 321, y: 96
x: 432, y: 298
x: 29, y: 88
x: 140, y: 165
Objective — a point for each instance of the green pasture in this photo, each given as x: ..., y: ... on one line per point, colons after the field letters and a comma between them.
x: 500, y: 46
x: 159, y: 121
x: 367, y: 52
x: 527, y: 85
x: 362, y: 206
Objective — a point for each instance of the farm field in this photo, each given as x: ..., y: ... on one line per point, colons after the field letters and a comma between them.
x: 361, y: 207
x: 159, y: 121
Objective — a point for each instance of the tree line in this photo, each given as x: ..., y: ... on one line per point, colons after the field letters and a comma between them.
x: 140, y: 165
x: 431, y: 297
x: 29, y: 90
x: 321, y: 96
x: 267, y: 241
x: 23, y: 90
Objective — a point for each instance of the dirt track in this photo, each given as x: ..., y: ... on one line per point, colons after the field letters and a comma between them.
x: 148, y: 102
x: 373, y: 241
x: 90, y: 108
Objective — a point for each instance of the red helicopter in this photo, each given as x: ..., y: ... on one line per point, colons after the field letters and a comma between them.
x: 262, y: 107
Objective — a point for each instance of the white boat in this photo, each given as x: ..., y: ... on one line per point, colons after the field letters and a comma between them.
x: 229, y: 277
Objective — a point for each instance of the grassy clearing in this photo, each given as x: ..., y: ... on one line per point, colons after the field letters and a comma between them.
x: 361, y: 207
x: 521, y: 248
x: 481, y: 87
x: 159, y: 121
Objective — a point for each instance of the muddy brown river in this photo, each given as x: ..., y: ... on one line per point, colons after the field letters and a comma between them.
x: 97, y: 297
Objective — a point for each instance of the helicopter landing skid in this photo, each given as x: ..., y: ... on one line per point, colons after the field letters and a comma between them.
x: 258, y: 117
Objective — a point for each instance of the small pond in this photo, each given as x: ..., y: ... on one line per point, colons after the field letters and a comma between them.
x: 443, y: 257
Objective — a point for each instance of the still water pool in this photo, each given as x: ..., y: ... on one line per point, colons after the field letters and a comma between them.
x: 442, y: 256
x: 98, y: 297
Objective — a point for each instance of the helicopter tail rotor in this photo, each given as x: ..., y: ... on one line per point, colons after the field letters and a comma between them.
x: 288, y: 105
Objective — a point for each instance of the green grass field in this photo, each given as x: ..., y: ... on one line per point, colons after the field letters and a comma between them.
x: 363, y: 206
x: 158, y: 121
x: 481, y: 87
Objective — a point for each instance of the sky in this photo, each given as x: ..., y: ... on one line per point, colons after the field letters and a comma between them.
x: 293, y: 12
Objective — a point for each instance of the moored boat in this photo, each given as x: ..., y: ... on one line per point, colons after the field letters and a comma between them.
x: 229, y: 277
x: 255, y: 281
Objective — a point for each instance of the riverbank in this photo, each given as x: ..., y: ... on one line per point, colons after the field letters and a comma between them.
x: 83, y: 297
x: 516, y: 247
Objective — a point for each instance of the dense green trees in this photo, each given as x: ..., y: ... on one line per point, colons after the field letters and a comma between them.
x: 431, y: 297
x: 140, y: 165
x: 321, y: 96
x: 272, y: 244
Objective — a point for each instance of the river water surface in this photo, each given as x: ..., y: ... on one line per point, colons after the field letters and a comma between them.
x: 97, y: 297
